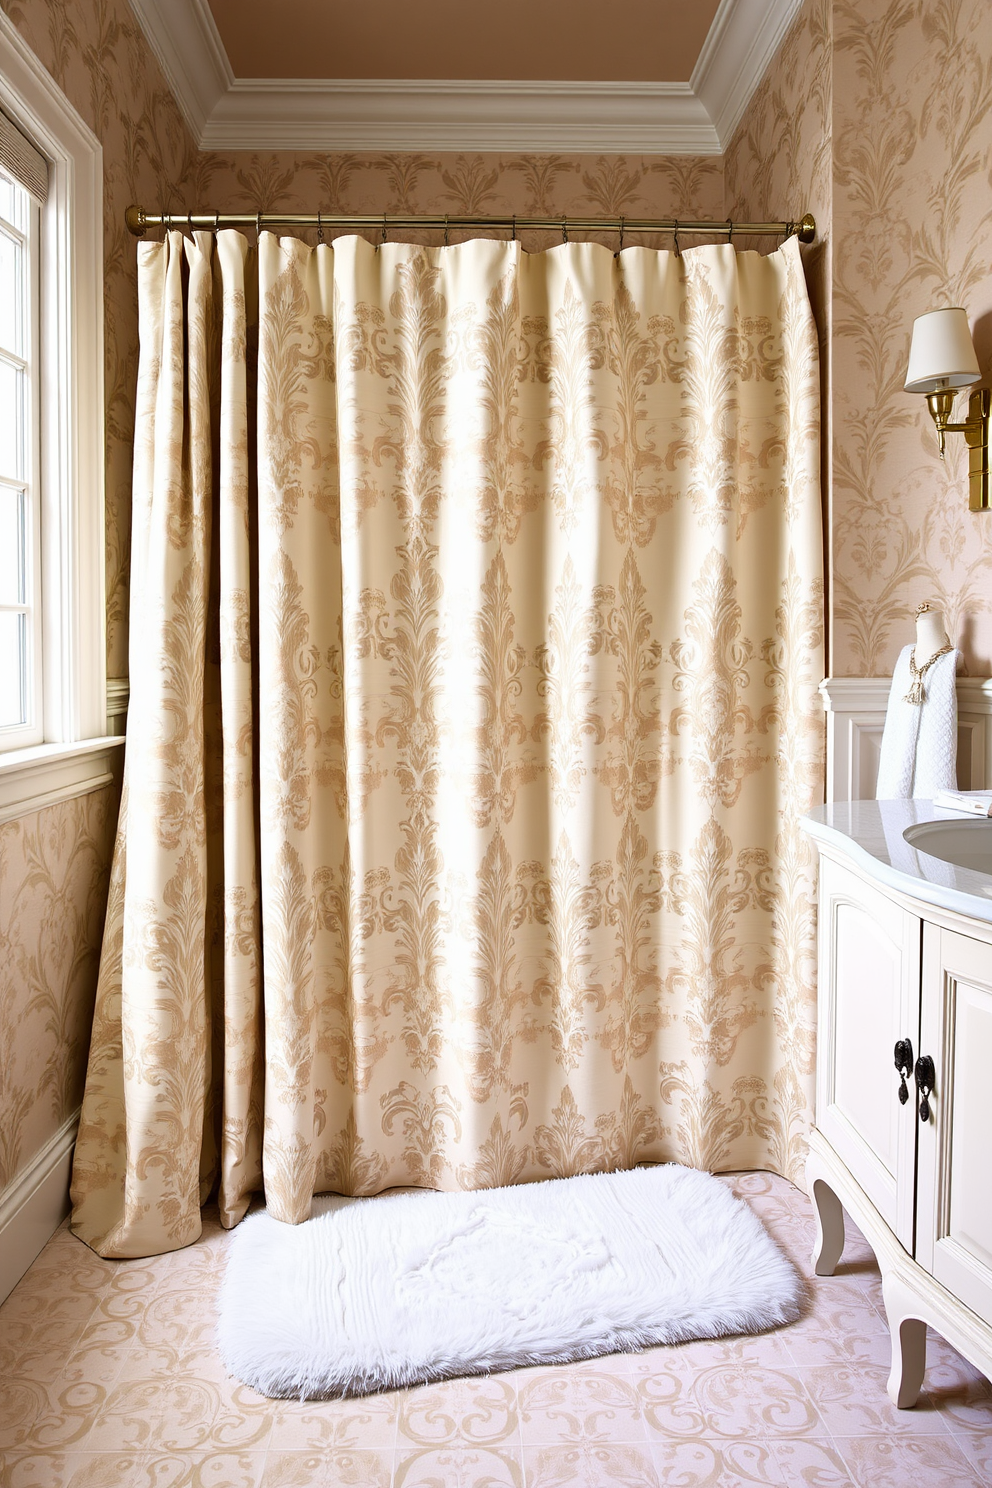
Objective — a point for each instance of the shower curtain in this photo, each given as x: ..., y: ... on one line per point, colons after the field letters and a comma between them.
x: 475, y: 635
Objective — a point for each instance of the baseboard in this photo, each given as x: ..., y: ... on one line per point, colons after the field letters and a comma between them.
x: 34, y: 1204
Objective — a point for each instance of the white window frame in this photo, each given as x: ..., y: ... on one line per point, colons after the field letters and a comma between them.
x: 31, y: 729
x: 77, y: 754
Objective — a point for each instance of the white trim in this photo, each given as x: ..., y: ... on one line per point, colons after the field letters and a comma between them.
x: 445, y: 114
x: 743, y: 39
x: 184, y: 37
x: 118, y: 696
x: 855, y: 709
x: 72, y: 393
x: 34, y: 1204
x: 695, y: 118
x: 31, y: 779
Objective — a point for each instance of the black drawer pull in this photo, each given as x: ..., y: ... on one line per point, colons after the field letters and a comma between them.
x: 904, y: 1064
x: 925, y: 1077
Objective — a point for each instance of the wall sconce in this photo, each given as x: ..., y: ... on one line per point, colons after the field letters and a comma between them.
x: 941, y: 360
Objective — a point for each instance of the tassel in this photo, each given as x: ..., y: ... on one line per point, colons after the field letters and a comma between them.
x: 916, y: 694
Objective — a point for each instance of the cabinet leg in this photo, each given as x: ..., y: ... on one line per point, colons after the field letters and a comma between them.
x: 829, y: 1243
x: 909, y: 1344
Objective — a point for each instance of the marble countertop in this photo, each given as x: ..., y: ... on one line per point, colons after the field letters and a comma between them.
x: 869, y: 833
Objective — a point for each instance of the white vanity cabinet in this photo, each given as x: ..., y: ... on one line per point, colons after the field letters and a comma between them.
x: 869, y: 991
x: 954, y: 1165
x: 902, y: 963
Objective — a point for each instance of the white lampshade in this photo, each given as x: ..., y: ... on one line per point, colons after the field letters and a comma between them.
x: 942, y: 354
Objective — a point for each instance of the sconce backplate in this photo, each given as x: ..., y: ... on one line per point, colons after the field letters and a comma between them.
x: 976, y: 433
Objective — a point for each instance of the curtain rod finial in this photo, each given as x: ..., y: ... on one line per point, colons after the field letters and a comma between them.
x: 134, y: 219
x: 806, y: 229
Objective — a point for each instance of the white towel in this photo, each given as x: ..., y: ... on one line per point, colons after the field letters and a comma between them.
x: 920, y: 742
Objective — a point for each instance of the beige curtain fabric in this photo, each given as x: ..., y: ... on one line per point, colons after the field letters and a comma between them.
x: 465, y: 755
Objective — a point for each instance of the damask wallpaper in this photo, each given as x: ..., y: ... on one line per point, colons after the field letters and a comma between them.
x: 53, y: 886
x: 912, y: 230
x: 879, y: 114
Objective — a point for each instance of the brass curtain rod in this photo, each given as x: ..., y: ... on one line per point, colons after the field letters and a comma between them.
x: 138, y: 222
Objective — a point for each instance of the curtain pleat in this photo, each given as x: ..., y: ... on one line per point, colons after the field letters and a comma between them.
x: 466, y: 749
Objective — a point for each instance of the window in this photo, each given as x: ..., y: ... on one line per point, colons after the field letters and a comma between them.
x: 21, y: 720
x: 53, y: 705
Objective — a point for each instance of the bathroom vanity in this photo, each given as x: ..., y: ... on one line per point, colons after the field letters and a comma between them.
x: 903, y: 1136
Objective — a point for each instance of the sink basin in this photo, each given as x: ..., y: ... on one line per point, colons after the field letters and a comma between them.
x: 966, y: 844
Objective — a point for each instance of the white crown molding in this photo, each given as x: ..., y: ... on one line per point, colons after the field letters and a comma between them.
x: 184, y: 37
x: 441, y: 114
x: 694, y: 118
x: 742, y: 40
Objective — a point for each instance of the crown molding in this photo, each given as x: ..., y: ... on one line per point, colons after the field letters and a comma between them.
x: 184, y: 37
x: 695, y: 118
x: 743, y: 39
x: 442, y: 114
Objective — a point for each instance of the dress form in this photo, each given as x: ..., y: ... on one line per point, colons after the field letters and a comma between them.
x: 931, y: 637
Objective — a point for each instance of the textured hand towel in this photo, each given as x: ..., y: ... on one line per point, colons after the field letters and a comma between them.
x: 920, y: 742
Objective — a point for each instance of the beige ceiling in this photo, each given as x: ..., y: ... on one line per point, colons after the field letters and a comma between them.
x: 575, y: 40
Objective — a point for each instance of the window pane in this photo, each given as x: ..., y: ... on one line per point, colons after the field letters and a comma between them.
x: 14, y: 203
x: 13, y: 554
x: 11, y: 421
x: 11, y: 295
x: 13, y: 668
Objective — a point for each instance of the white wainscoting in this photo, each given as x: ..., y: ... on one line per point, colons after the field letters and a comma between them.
x: 855, y: 709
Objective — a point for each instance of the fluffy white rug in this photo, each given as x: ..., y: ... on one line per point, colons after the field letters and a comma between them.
x: 408, y: 1287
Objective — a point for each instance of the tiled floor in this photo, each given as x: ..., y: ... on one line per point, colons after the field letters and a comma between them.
x: 108, y: 1377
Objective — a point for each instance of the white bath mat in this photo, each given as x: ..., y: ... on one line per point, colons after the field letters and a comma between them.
x: 409, y: 1287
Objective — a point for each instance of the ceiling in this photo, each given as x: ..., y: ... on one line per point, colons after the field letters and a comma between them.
x: 642, y: 41
x: 625, y: 76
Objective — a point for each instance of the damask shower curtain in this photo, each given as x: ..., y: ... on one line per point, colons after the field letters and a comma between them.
x: 475, y: 636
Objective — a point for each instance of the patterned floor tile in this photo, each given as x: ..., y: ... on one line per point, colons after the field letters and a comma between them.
x: 591, y: 1466
x: 459, y: 1466
x: 336, y: 1468
x: 109, y: 1378
x: 717, y: 1464
x: 903, y: 1460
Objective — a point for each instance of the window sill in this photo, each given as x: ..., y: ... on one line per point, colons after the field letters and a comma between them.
x: 31, y: 779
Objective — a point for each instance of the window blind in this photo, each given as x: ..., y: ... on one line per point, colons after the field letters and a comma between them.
x: 22, y: 161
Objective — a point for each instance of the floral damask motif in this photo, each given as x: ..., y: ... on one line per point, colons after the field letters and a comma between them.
x: 568, y: 720
x: 711, y: 672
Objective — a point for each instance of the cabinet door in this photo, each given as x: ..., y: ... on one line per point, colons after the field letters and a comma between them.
x: 954, y: 1195
x: 869, y: 982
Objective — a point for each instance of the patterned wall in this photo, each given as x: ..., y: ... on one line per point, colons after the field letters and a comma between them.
x: 53, y: 884
x: 912, y: 230
x: 54, y: 865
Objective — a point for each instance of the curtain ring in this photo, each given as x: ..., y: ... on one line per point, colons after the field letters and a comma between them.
x: 564, y: 229
x: 620, y: 247
x: 216, y: 222
x: 258, y: 227
x: 383, y: 227
x: 189, y: 222
x: 168, y: 222
x: 675, y: 238
x: 514, y: 238
x: 320, y: 229
x: 730, y: 232
x: 445, y: 229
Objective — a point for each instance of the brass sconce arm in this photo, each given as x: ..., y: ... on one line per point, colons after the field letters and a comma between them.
x: 975, y: 429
